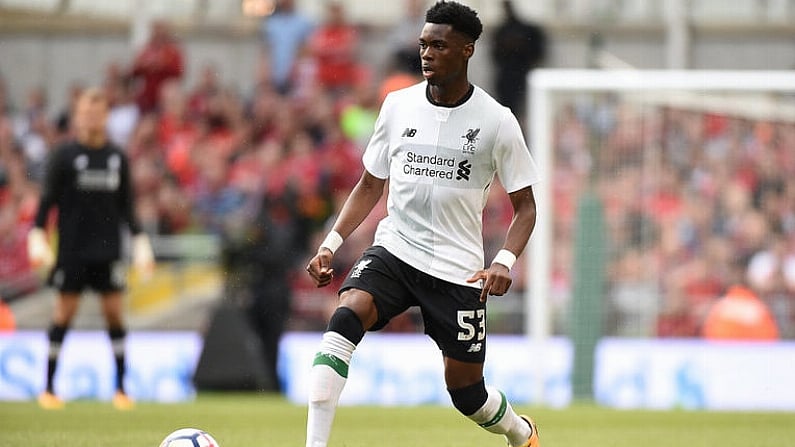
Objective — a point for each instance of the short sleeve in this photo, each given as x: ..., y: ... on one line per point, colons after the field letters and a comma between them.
x: 512, y: 160
x: 376, y: 155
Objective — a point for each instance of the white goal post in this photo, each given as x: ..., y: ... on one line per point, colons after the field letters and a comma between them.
x: 670, y: 87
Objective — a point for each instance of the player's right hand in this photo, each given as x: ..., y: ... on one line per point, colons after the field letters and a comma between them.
x: 39, y: 251
x: 319, y: 267
x: 496, y: 281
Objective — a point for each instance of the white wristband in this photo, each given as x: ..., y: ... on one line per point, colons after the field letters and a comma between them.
x: 505, y: 257
x: 332, y: 241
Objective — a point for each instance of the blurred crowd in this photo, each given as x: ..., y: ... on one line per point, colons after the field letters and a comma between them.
x: 694, y: 203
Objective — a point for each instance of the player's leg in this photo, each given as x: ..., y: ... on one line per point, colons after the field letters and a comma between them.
x: 109, y: 280
x: 112, y: 310
x: 370, y: 297
x: 486, y: 406
x: 69, y: 282
x: 456, y: 320
x: 66, y: 305
x: 330, y: 368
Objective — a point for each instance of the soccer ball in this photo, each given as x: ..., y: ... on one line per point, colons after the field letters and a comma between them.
x: 189, y: 437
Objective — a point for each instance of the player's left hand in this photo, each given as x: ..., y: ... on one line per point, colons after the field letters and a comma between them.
x: 496, y: 280
x: 143, y: 258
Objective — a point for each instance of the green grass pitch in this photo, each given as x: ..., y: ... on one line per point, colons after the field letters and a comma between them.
x: 249, y: 420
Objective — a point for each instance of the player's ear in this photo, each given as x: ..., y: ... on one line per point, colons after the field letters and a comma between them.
x: 469, y: 49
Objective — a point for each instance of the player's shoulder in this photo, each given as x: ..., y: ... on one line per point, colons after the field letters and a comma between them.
x: 67, y: 145
x: 113, y: 148
x: 489, y: 108
x: 414, y: 93
x: 65, y: 150
x: 488, y: 104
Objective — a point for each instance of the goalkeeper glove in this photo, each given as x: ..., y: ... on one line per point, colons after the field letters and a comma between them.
x: 143, y: 259
x: 39, y: 252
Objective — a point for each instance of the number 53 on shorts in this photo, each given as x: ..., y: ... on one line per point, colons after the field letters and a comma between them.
x: 472, y: 324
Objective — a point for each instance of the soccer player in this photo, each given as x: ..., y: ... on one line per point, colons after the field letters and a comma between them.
x: 88, y: 181
x: 440, y: 144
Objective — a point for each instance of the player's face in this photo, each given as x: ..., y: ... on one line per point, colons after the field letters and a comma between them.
x: 90, y: 115
x: 444, y: 53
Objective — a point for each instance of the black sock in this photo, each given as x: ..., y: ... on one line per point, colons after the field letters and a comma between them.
x: 55, y: 335
x: 117, y: 337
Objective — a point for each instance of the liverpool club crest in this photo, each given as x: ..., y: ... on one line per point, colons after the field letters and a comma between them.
x: 470, y: 140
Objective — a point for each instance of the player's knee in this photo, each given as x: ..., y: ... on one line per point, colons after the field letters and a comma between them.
x: 65, y: 309
x: 470, y: 398
x: 363, y: 305
x: 346, y: 323
x: 113, y: 320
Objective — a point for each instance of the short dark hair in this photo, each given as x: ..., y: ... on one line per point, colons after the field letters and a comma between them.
x: 461, y: 17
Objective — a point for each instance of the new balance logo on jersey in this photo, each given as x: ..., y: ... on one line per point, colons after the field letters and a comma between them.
x: 357, y: 271
x: 464, y: 169
x: 475, y: 347
x: 409, y: 132
x: 471, y: 138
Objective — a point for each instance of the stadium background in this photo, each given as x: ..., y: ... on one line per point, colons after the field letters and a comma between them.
x: 48, y: 47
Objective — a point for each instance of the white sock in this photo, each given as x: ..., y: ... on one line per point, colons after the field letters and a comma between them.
x: 327, y: 379
x: 497, y: 416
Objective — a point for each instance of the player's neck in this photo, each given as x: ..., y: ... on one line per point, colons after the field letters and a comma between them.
x: 450, y: 94
x: 93, y: 141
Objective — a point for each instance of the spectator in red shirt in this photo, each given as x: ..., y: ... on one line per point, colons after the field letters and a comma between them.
x: 334, y: 46
x: 209, y: 85
x: 177, y: 134
x: 158, y: 61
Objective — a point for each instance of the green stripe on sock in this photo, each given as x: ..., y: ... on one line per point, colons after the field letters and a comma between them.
x: 500, y: 413
x: 332, y: 361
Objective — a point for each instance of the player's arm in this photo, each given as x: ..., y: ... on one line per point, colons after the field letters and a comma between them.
x: 39, y: 252
x: 126, y: 197
x: 360, y: 202
x: 497, y: 277
x: 53, y: 183
x: 363, y: 198
x: 142, y: 256
x: 523, y: 222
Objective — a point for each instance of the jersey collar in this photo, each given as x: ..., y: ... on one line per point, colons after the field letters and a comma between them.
x: 463, y: 99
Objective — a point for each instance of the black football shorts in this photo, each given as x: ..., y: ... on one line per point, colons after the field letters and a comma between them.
x: 102, y: 277
x: 453, y: 315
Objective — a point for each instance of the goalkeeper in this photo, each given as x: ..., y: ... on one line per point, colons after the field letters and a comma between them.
x: 88, y: 182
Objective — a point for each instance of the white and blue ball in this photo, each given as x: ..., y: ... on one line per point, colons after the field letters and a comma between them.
x: 189, y: 437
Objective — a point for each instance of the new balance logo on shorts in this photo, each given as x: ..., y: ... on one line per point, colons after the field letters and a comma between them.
x: 357, y: 271
x: 475, y: 347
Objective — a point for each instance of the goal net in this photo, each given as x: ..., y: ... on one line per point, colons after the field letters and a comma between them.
x: 660, y: 189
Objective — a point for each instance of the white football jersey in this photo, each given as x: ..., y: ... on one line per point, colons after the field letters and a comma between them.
x: 440, y: 162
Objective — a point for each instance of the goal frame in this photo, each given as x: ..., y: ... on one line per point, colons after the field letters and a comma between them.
x: 543, y: 83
